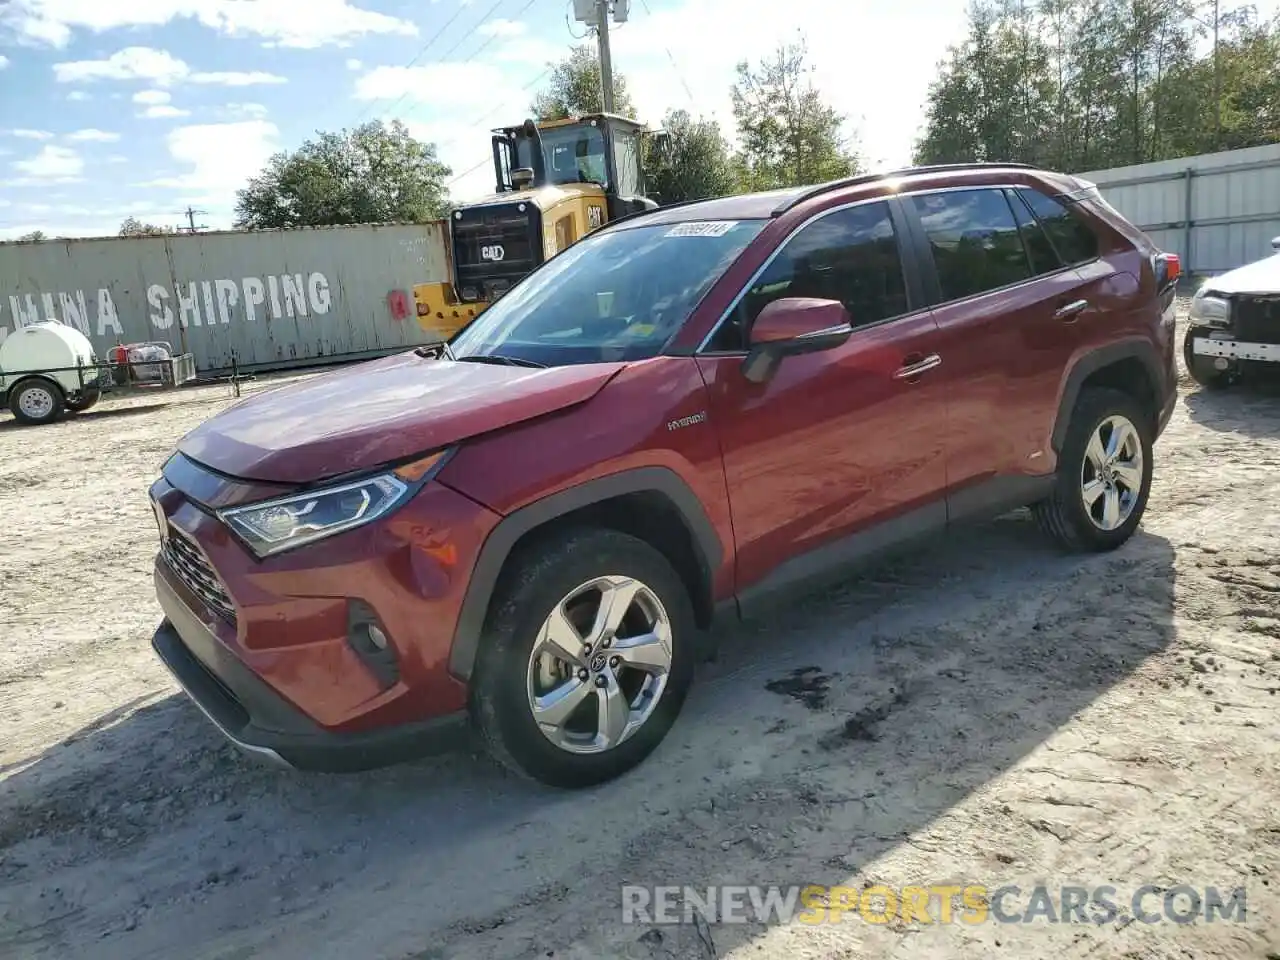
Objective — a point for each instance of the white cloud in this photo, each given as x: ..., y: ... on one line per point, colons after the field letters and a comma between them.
x: 221, y: 156
x: 51, y: 164
x: 277, y: 22
x: 117, y: 158
x: 4, y: 61
x: 154, y: 66
x: 131, y: 63
x: 92, y: 135
x: 78, y: 95
x: 24, y: 134
x: 502, y: 28
x: 451, y: 87
x: 253, y: 110
x: 354, y: 64
x: 163, y: 111
x: 152, y: 96
x: 235, y: 78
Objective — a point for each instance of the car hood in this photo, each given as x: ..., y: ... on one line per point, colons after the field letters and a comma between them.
x: 384, y: 410
x: 1262, y: 276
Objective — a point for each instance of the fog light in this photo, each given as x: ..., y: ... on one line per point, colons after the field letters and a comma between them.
x: 1222, y: 363
x: 376, y: 636
x: 370, y: 642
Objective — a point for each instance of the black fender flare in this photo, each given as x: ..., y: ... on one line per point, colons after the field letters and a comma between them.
x: 508, y: 531
x: 1141, y: 350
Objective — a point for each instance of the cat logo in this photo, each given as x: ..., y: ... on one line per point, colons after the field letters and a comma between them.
x: 492, y: 252
x: 595, y: 217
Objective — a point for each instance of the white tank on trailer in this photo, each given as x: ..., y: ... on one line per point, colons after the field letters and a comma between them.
x: 46, y: 368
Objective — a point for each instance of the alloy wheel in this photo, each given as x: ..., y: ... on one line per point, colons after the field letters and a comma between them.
x: 600, y: 664
x: 1111, y: 474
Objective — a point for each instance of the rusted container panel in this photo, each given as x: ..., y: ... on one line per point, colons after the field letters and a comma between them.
x: 270, y: 299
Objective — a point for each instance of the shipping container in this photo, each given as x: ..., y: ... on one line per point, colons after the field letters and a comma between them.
x: 270, y: 299
x: 1217, y: 211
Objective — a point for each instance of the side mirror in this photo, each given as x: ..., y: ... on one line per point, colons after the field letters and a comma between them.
x: 792, y: 326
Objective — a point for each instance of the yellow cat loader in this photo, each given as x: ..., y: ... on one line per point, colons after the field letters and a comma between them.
x: 556, y: 181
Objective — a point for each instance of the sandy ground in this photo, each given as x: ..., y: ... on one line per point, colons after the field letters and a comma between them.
x: 987, y: 711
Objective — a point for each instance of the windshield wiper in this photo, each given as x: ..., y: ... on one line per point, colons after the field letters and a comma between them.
x: 498, y: 358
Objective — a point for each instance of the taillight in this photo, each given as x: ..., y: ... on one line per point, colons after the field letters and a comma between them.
x: 1168, y: 268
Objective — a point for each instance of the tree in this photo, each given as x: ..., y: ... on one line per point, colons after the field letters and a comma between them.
x: 34, y: 235
x: 372, y: 174
x: 789, y: 136
x: 133, y: 227
x: 574, y: 89
x: 1084, y: 84
x: 691, y: 163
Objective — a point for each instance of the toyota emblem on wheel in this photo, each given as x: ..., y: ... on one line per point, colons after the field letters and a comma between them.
x: 493, y: 251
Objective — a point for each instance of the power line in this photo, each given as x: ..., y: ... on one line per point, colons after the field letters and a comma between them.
x: 484, y: 19
x: 676, y: 66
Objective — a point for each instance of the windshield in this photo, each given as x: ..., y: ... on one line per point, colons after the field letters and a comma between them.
x: 573, y: 154
x: 614, y: 295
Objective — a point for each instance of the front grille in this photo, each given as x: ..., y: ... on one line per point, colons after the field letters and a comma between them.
x: 186, y: 560
x: 493, y: 247
x: 1256, y: 319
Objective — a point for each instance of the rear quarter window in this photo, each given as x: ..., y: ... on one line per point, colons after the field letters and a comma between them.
x: 1071, y: 235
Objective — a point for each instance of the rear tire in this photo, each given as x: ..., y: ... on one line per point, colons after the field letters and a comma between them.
x: 1097, y: 500
x: 84, y: 403
x: 522, y: 677
x: 1201, y: 368
x: 36, y: 401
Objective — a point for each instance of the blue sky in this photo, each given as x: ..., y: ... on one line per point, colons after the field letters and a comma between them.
x: 141, y: 107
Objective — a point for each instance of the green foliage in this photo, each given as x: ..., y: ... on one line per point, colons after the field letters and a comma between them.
x: 1086, y: 84
x: 788, y: 135
x: 373, y: 174
x: 133, y: 227
x: 691, y: 163
x: 34, y: 235
x: 574, y: 89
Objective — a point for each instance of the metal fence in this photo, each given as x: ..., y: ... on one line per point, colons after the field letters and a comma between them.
x: 269, y: 299
x: 1217, y: 211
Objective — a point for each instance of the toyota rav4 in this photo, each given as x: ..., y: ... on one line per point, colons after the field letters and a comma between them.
x: 689, y: 413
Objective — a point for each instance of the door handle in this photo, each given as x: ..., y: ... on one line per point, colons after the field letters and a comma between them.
x: 916, y: 366
x: 1068, y: 312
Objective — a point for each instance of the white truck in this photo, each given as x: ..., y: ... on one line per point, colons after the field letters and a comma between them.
x: 49, y: 368
x: 1235, y: 323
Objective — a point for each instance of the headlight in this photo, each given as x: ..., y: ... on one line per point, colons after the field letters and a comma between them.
x: 1211, y: 311
x: 272, y: 526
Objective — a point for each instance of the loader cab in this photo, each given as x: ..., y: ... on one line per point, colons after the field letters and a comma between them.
x: 554, y: 182
x: 601, y: 150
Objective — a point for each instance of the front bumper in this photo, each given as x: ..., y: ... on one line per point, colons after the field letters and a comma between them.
x: 258, y: 720
x: 1236, y: 349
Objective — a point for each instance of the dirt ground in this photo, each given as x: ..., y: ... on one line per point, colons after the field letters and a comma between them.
x: 988, y: 711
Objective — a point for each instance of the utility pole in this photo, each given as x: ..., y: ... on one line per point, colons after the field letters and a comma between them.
x: 1217, y: 84
x: 191, y: 220
x: 606, y: 58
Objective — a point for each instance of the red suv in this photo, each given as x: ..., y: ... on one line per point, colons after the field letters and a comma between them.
x: 683, y: 415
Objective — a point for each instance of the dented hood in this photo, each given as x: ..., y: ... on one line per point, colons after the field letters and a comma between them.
x: 367, y: 415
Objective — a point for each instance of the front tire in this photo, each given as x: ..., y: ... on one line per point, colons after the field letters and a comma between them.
x: 1104, y: 473
x: 1201, y: 368
x: 85, y: 402
x: 587, y: 657
x: 36, y: 401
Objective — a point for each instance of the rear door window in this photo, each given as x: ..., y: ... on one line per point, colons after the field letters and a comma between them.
x: 974, y: 239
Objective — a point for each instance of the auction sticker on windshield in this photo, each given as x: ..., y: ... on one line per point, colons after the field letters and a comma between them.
x: 702, y: 228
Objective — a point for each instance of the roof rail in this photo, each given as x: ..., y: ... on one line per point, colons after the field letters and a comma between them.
x: 821, y: 188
